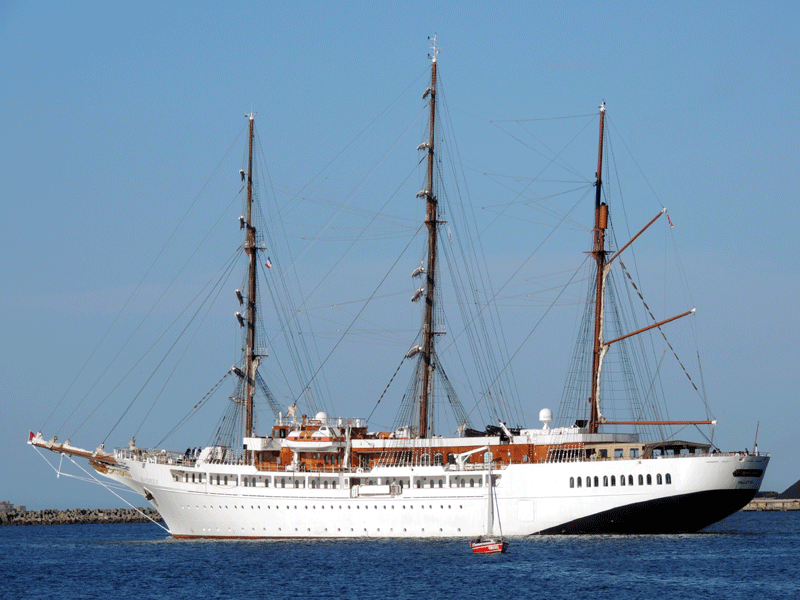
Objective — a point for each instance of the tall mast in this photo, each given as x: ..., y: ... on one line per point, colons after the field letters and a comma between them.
x: 250, y: 359
x: 431, y: 223
x: 599, y: 253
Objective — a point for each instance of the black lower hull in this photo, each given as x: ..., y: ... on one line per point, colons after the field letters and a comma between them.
x: 688, y: 513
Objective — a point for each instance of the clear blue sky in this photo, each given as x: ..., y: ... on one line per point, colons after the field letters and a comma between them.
x: 115, y: 114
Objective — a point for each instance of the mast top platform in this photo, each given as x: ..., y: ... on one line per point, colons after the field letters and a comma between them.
x: 250, y: 115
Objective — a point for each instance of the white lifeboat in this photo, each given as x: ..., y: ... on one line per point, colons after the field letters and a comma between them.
x: 323, y: 439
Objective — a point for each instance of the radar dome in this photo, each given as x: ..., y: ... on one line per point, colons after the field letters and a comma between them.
x: 545, y: 416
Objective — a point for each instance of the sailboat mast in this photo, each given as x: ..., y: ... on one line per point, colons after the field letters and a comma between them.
x: 599, y: 253
x: 251, y: 360
x: 431, y: 223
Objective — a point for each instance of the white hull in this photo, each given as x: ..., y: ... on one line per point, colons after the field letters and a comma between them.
x: 531, y: 498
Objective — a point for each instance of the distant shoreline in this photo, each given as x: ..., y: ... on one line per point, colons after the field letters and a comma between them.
x: 79, y: 516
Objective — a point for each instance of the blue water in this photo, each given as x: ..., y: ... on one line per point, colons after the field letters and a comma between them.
x: 749, y: 555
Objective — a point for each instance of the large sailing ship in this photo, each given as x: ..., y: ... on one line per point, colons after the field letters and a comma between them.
x: 328, y: 477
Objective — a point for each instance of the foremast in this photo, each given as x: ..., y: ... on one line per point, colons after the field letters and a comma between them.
x: 431, y: 222
x: 251, y: 359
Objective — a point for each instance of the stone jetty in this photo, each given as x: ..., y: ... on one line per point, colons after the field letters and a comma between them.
x: 78, y: 516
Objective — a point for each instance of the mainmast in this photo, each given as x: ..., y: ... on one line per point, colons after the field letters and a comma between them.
x: 250, y: 359
x: 599, y: 253
x: 431, y: 223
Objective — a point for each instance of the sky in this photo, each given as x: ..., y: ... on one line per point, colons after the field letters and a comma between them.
x: 116, y: 116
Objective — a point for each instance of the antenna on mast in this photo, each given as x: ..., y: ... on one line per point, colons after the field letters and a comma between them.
x: 434, y: 48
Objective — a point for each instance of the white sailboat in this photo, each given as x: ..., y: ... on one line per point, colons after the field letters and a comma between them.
x: 330, y: 477
x: 489, y: 543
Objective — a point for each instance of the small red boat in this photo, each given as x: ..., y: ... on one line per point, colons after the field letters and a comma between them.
x: 488, y: 545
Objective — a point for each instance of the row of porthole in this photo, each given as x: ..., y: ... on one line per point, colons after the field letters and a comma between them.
x: 649, y: 478
x: 300, y: 482
x: 314, y: 507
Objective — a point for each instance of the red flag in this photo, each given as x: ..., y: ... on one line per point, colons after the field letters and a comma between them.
x: 670, y: 221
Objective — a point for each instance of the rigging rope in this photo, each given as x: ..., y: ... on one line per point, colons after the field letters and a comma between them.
x: 659, y: 328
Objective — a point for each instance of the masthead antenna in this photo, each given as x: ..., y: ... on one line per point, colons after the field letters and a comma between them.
x: 434, y: 48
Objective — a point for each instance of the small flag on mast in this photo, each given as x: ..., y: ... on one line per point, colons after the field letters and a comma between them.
x: 268, y: 264
x: 670, y: 221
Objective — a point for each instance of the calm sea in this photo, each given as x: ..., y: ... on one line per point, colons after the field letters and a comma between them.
x: 749, y: 555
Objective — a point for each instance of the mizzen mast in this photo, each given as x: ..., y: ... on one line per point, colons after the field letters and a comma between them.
x: 431, y: 216
x: 599, y: 253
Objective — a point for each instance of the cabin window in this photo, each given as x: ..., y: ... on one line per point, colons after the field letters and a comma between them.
x: 314, y: 484
x: 605, y: 480
x: 431, y: 484
x: 630, y: 479
x: 226, y: 480
x: 438, y: 459
x: 621, y: 480
x: 462, y: 483
x: 613, y: 481
x: 244, y: 481
x: 668, y: 478
x: 193, y: 478
x: 283, y: 483
x: 588, y: 482
x: 596, y: 481
x: 441, y: 484
x: 333, y: 484
x: 572, y: 482
x: 649, y: 479
x: 618, y: 453
x: 658, y: 479
x: 471, y: 482
x: 634, y: 453
x: 579, y: 481
x: 641, y: 479
x: 604, y: 453
x: 325, y: 484
x: 266, y: 482
x: 419, y: 483
x: 217, y: 479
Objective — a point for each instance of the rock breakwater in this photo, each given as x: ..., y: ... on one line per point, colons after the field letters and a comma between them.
x: 79, y: 516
